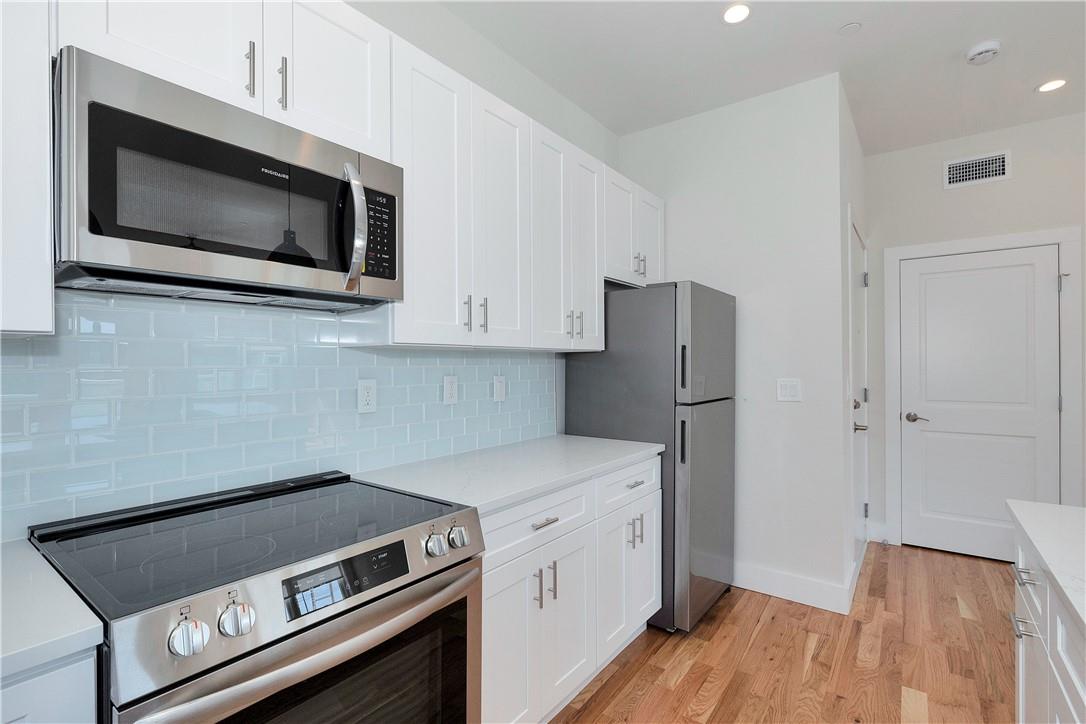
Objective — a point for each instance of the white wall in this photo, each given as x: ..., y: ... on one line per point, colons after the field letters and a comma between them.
x: 439, y: 32
x: 754, y: 196
x: 907, y: 204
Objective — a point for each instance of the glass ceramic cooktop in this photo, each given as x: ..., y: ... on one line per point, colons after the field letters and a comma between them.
x: 123, y: 569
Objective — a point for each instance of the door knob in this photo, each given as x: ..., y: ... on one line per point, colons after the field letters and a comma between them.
x: 858, y: 428
x: 913, y: 417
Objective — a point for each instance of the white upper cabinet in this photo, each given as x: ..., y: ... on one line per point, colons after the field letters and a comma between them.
x: 622, y: 261
x: 649, y: 235
x: 431, y: 140
x: 204, y: 46
x: 552, y: 283
x: 326, y: 72
x: 502, y: 252
x: 585, y: 185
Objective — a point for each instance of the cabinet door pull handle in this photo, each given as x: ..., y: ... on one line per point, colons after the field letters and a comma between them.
x: 637, y: 264
x: 544, y: 523
x: 283, y: 82
x: 635, y: 484
x: 644, y: 265
x: 1021, y: 579
x: 641, y: 534
x: 1016, y: 626
x: 554, y: 567
x: 580, y: 325
x: 633, y: 532
x: 539, y: 574
x: 485, y: 326
x: 570, y: 316
x: 468, y: 322
x: 251, y: 57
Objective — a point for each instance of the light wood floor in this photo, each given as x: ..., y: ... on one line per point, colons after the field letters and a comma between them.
x: 927, y: 640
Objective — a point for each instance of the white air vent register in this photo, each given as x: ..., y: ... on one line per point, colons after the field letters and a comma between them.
x: 977, y: 170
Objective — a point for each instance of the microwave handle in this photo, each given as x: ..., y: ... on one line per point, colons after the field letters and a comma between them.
x: 225, y: 702
x: 361, y: 228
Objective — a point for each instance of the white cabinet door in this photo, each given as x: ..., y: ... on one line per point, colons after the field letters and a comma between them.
x: 614, y: 620
x: 622, y: 259
x: 512, y: 617
x: 26, y: 274
x: 644, y: 578
x: 552, y: 305
x: 502, y: 244
x: 64, y: 694
x: 649, y: 235
x: 586, y: 243
x: 431, y: 141
x: 326, y: 72
x: 1034, y: 670
x: 568, y: 656
x: 203, y: 46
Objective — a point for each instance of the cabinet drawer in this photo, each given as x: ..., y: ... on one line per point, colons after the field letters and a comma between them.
x: 64, y: 694
x: 1031, y: 581
x: 522, y: 528
x: 620, y: 487
x: 1067, y: 650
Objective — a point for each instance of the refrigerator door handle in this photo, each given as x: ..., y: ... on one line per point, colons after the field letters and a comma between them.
x: 682, y: 367
x: 682, y: 442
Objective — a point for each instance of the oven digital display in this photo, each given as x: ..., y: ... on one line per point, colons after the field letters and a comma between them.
x: 321, y: 587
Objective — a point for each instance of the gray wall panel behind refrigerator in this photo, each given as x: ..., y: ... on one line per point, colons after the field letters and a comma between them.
x: 628, y: 393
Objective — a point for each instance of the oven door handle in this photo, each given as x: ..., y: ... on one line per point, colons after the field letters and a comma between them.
x: 234, y: 698
x: 361, y: 228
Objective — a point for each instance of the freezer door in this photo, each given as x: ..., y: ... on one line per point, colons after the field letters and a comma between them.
x: 704, y: 507
x: 704, y: 344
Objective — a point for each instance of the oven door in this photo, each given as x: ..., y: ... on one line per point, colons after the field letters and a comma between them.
x: 412, y: 656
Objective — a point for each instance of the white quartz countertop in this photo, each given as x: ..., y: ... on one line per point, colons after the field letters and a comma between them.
x: 499, y: 477
x: 1058, y: 532
x: 41, y: 617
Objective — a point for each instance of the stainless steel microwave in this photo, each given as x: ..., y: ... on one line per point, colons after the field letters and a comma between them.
x: 167, y: 192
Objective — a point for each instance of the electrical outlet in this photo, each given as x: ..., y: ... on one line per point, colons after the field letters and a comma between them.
x: 789, y: 389
x: 499, y: 388
x: 450, y: 391
x: 367, y: 396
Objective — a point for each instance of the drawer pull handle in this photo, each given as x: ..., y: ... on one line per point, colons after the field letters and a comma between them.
x: 1016, y: 625
x: 544, y: 523
x: 1020, y: 579
x: 635, y: 484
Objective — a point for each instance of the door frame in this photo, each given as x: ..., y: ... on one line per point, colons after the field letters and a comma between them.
x: 1069, y: 242
x: 850, y: 417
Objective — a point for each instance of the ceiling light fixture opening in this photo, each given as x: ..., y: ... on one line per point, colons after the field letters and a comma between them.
x: 736, y: 13
x: 1051, y: 85
x: 982, y: 53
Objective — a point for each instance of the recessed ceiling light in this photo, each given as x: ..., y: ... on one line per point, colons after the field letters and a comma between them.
x: 850, y: 28
x: 736, y: 13
x: 1051, y: 85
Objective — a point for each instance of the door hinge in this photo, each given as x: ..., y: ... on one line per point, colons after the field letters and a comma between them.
x: 1059, y: 403
x: 865, y: 394
x: 865, y: 510
x: 867, y: 280
x: 1059, y: 282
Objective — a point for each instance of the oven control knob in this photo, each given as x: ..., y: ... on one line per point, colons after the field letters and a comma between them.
x: 436, y: 546
x: 237, y: 620
x: 458, y: 536
x: 189, y: 637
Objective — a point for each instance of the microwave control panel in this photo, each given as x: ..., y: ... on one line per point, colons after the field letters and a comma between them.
x: 381, y: 247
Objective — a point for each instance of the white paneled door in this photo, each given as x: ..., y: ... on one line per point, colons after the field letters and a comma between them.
x: 979, y: 395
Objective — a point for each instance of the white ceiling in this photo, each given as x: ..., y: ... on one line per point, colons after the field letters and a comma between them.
x: 634, y: 65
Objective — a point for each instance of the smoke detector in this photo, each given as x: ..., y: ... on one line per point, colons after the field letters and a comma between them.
x: 982, y: 53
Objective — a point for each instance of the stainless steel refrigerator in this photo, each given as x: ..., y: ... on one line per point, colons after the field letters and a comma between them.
x: 668, y: 376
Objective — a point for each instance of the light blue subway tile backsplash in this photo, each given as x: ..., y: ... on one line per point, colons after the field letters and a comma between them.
x: 139, y: 400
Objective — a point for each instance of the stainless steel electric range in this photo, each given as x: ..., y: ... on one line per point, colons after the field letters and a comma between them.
x: 319, y: 598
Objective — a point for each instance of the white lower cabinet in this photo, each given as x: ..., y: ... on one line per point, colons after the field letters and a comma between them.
x: 1033, y: 669
x: 628, y: 572
x: 552, y: 613
x: 64, y: 693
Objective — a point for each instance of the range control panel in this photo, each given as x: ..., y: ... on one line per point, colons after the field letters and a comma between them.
x: 381, y: 247
x: 313, y: 590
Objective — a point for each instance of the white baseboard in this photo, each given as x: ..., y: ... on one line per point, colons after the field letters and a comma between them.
x: 817, y: 592
x: 878, y: 530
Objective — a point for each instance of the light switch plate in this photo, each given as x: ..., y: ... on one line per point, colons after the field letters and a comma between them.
x: 367, y: 396
x: 449, y: 390
x: 499, y: 388
x: 789, y: 389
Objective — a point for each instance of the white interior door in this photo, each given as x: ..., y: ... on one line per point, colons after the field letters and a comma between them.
x: 979, y: 395
x: 857, y: 260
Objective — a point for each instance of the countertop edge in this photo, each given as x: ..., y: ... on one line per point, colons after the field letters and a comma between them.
x: 523, y: 496
x: 1056, y: 581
